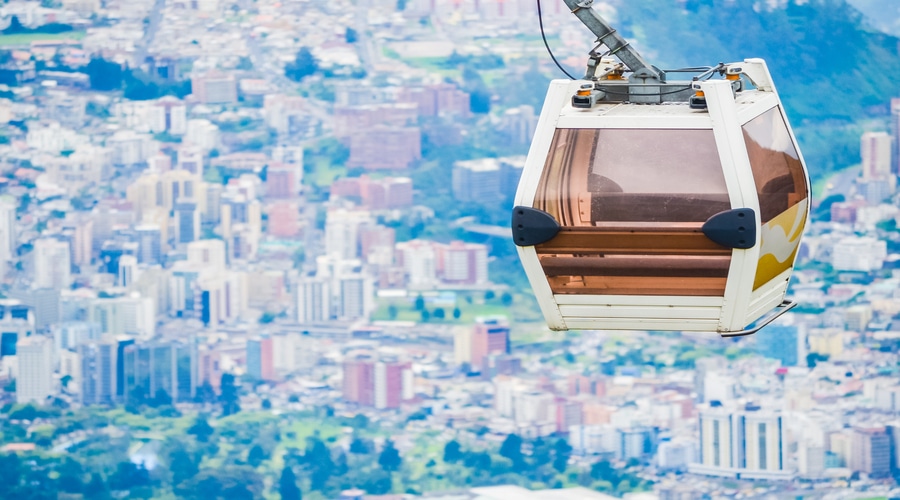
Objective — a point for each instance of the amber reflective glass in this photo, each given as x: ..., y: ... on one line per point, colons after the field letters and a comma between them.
x: 631, y: 203
x: 783, y: 198
x: 777, y: 170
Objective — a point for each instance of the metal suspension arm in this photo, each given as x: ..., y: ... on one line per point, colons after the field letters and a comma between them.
x: 618, y: 46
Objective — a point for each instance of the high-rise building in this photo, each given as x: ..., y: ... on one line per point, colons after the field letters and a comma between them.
x: 190, y: 159
x: 214, y: 87
x: 464, y: 263
x: 871, y: 452
x: 124, y: 315
x: 16, y: 322
x: 477, y: 181
x: 34, y: 383
x: 52, y: 264
x: 875, y: 148
x: 128, y: 271
x: 187, y: 222
x: 149, y: 240
x: 747, y: 443
x: 168, y: 114
x: 160, y: 370
x: 44, y: 302
x: 383, y: 384
x: 71, y: 334
x: 342, y: 232
x: 8, y: 240
x: 895, y: 134
x: 98, y: 372
x: 261, y: 358
x: 490, y: 335
x: 312, y: 299
x: 284, y: 180
x: 356, y: 298
x: 781, y: 342
x: 419, y: 259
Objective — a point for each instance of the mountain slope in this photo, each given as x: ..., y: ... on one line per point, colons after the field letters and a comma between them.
x: 827, y: 65
x: 883, y: 15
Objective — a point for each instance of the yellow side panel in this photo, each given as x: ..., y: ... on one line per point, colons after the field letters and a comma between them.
x: 779, y: 240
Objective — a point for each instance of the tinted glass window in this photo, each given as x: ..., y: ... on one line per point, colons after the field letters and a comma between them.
x: 776, y: 166
x: 632, y: 175
x: 631, y: 203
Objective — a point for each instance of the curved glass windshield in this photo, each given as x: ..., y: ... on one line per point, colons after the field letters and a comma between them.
x: 631, y: 203
x: 780, y: 180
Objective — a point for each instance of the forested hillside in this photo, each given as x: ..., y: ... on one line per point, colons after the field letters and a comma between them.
x: 827, y: 64
x: 881, y: 14
x: 832, y: 70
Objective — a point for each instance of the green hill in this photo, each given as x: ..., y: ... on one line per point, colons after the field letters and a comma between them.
x: 883, y: 15
x: 831, y: 69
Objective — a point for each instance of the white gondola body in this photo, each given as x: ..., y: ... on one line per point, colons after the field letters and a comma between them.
x: 728, y: 290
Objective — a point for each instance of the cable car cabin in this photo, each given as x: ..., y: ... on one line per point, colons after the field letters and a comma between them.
x: 662, y: 216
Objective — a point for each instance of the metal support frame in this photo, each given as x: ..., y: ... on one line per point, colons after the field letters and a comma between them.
x: 776, y: 313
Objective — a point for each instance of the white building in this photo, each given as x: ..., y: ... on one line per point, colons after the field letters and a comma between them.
x: 465, y: 263
x: 856, y: 253
x: 419, y: 260
x: 168, y: 114
x: 131, y: 148
x: 748, y: 443
x: 34, y: 383
x: 191, y: 160
x: 312, y: 299
x: 132, y: 315
x: 342, y: 232
x: 52, y: 264
x: 203, y: 134
x: 87, y: 166
x: 53, y: 138
x: 7, y: 229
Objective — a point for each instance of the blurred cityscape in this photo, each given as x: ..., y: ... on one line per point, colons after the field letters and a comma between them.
x: 259, y: 249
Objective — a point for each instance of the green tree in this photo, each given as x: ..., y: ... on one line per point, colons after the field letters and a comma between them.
x: 104, y: 75
x: 287, y: 485
x: 318, y: 459
x: 97, y: 488
x: 392, y: 312
x: 10, y: 474
x: 183, y: 465
x: 303, y: 65
x: 512, y: 448
x: 506, y: 299
x: 360, y: 446
x: 390, y: 459
x: 70, y: 474
x: 256, y: 456
x: 603, y: 471
x: 129, y: 476
x: 452, y: 452
x: 351, y: 36
x: 201, y: 429
x: 439, y: 313
x: 229, y: 395
x: 456, y: 313
x: 561, y: 453
x: 420, y: 302
x: 425, y: 315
